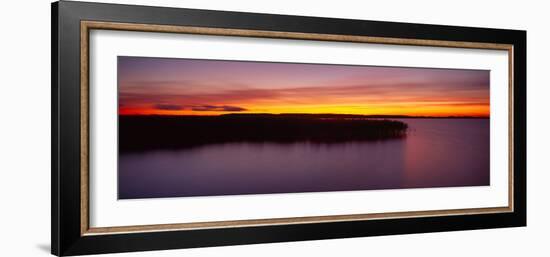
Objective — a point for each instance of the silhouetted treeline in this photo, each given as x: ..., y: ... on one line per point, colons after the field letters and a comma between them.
x: 137, y: 133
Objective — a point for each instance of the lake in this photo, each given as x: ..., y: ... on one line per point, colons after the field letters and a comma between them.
x: 435, y: 153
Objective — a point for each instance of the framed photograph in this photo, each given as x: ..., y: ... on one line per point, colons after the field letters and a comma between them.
x: 178, y: 128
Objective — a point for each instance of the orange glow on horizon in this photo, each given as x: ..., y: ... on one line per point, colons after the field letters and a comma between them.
x: 407, y: 110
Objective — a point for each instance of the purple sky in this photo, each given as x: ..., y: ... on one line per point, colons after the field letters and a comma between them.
x: 190, y: 86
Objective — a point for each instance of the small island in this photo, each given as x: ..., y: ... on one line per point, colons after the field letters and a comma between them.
x: 145, y: 132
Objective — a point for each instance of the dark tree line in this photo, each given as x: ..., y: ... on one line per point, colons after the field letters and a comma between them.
x: 138, y: 133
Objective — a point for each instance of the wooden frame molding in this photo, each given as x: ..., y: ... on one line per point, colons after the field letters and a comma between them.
x: 87, y: 26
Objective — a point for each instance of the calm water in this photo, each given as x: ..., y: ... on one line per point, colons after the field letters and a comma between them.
x: 435, y: 153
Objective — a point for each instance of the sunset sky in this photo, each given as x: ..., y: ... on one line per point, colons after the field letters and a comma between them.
x: 210, y: 87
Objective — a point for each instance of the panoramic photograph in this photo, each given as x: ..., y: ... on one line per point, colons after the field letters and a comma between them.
x: 197, y: 127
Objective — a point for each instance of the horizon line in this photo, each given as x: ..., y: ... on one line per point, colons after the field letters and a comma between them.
x: 311, y: 114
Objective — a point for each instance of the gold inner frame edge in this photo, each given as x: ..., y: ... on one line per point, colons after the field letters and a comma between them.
x: 86, y: 26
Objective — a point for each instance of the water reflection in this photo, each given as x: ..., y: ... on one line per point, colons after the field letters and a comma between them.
x: 435, y: 153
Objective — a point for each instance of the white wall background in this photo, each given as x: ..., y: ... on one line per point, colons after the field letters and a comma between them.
x: 25, y: 127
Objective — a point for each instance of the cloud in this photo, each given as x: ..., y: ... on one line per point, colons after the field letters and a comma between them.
x: 222, y: 108
x: 169, y: 107
x: 205, y: 108
x: 406, y: 88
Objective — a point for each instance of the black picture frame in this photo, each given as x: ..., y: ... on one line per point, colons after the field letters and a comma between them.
x: 66, y: 235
